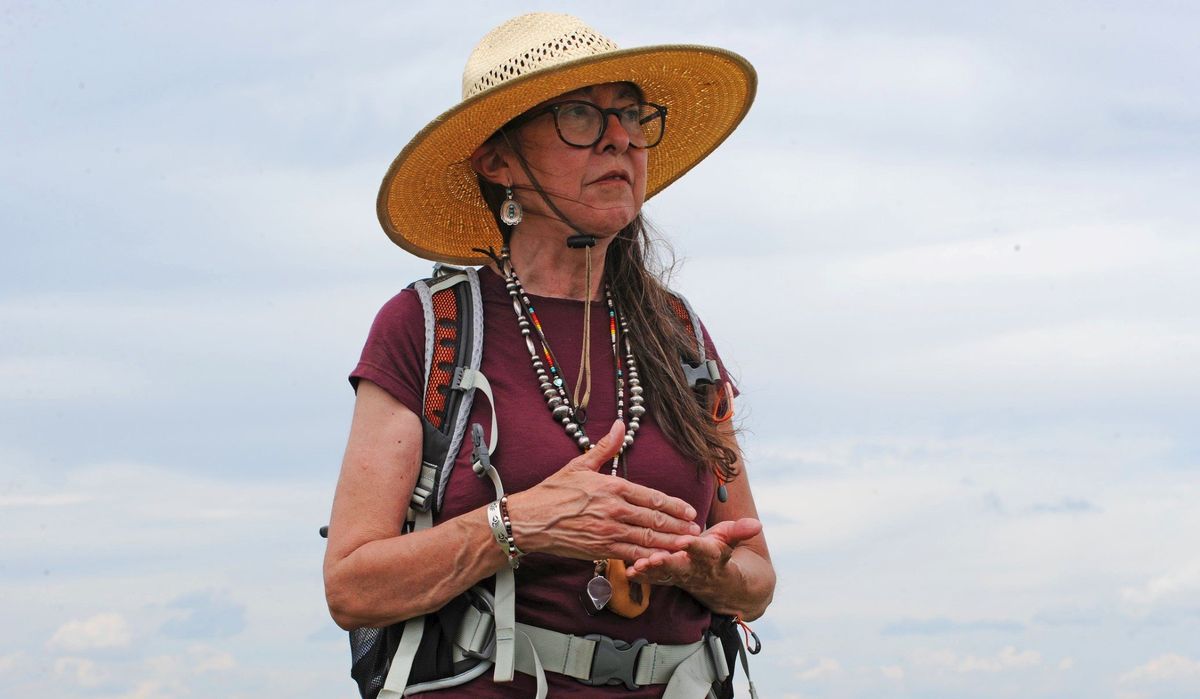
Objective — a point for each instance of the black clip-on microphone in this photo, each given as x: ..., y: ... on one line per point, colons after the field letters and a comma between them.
x: 581, y: 240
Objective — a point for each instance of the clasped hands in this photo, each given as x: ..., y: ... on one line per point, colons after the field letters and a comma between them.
x: 579, y: 513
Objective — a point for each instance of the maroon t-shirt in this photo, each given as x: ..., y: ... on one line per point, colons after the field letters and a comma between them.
x: 531, y: 447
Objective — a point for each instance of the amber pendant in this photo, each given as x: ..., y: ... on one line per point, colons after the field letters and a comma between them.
x: 629, y: 599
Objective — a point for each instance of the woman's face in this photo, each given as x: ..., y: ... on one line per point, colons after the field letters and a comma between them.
x: 600, y: 189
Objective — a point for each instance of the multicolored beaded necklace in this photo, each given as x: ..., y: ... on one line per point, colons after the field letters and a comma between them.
x: 608, y: 576
x: 550, y: 379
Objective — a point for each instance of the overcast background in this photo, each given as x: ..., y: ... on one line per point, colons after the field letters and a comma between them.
x: 950, y: 255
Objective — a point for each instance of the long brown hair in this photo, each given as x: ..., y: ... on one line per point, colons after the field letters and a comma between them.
x: 636, y: 274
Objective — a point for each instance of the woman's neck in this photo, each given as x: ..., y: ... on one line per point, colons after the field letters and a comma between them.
x: 547, y: 267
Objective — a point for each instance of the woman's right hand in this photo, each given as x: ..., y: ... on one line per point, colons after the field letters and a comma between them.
x: 581, y: 513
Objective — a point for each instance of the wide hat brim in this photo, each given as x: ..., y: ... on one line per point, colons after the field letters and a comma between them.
x: 430, y: 204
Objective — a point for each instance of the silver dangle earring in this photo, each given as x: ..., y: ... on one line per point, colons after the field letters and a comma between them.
x: 511, y: 212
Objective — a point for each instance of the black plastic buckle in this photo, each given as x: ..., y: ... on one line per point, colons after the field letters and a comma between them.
x: 614, y: 661
x: 704, y: 373
x: 479, y: 451
x: 441, y: 269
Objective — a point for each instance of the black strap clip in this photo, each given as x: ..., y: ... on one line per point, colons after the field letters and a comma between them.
x: 481, y: 460
x: 614, y: 661
x: 704, y: 373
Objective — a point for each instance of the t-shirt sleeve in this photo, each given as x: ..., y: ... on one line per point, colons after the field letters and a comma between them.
x: 394, y: 354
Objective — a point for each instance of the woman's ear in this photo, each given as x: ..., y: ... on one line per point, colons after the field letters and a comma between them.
x: 489, y: 162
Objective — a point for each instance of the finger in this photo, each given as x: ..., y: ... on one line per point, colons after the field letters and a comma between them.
x: 735, y: 532
x: 709, y: 549
x: 658, y: 501
x: 654, y: 540
x: 649, y: 564
x: 632, y: 552
x: 745, y: 528
x: 661, y: 569
x: 658, y: 521
x: 601, y: 452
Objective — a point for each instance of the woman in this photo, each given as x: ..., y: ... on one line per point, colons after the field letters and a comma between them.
x: 541, y: 173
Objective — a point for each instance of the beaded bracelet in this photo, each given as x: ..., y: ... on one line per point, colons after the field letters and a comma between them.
x: 501, y: 525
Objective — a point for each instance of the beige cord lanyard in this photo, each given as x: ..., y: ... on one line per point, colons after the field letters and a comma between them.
x: 610, y: 587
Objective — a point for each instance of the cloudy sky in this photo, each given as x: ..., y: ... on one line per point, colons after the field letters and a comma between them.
x: 950, y: 256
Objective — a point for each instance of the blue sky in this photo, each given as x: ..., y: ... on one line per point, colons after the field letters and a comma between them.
x: 950, y: 256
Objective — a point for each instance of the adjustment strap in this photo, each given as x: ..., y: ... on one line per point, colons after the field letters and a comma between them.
x: 475, y: 634
x: 402, y: 661
x: 414, y: 628
x: 506, y: 622
x: 543, y: 687
x: 416, y: 520
x: 457, y: 277
x: 746, y: 665
x: 464, y: 380
x: 694, y: 677
x: 573, y: 656
x: 426, y: 481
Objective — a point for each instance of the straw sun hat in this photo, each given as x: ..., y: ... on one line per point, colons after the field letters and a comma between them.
x: 430, y: 204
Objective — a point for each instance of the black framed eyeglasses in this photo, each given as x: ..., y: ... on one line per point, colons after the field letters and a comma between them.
x: 582, y: 124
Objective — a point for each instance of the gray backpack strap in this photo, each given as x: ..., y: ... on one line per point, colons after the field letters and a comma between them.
x: 453, y: 310
x: 453, y: 315
x: 402, y: 662
x: 706, y: 371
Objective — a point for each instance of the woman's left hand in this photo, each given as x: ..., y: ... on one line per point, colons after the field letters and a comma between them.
x: 703, y: 560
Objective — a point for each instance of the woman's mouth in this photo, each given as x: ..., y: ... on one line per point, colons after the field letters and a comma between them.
x: 614, y: 177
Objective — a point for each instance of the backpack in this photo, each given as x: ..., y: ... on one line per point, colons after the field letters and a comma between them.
x: 477, y: 629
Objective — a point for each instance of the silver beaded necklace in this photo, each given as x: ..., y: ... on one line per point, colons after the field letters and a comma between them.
x: 550, y: 378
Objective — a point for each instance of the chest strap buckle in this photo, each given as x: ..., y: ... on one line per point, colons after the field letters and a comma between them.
x: 614, y: 661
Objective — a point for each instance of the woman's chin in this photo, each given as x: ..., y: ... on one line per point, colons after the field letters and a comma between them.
x: 611, y: 223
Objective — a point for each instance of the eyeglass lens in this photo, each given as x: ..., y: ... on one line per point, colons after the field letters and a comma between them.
x: 582, y: 123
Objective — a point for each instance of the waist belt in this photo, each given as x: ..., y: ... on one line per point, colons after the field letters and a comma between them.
x: 688, y: 670
x: 599, y: 659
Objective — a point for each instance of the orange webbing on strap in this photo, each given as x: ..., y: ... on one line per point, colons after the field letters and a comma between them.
x: 445, y: 355
x: 680, y: 310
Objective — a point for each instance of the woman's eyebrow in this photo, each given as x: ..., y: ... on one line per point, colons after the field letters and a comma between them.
x: 629, y: 92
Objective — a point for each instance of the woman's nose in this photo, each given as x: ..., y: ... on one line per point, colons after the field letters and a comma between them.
x: 614, y: 134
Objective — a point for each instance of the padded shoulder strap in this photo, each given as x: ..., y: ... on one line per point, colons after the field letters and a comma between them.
x: 453, y: 314
x: 706, y: 370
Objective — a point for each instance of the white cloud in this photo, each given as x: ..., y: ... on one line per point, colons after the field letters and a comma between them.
x: 1049, y: 253
x: 81, y: 671
x: 197, y: 659
x: 821, y: 669
x: 1167, y: 668
x: 892, y: 672
x: 12, y: 661
x: 157, y: 689
x: 1006, y: 659
x: 1181, y: 583
x: 108, y: 630
x: 44, y: 500
x: 207, y: 659
x: 66, y: 378
x: 1160, y: 353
